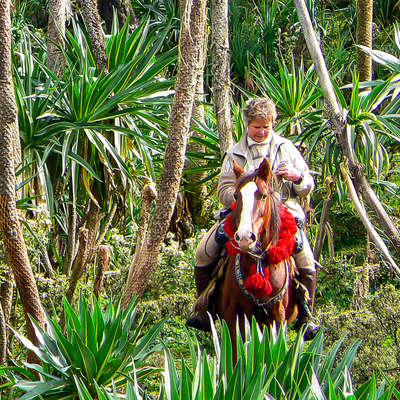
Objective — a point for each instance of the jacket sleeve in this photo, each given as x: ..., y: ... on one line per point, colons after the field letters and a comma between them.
x: 306, y: 186
x: 226, y: 183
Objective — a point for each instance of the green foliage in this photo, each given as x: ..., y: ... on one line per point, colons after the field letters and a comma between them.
x: 295, y: 94
x: 98, y: 349
x: 338, y: 27
x: 267, y: 367
x: 386, y: 12
x: 101, y: 357
x: 258, y: 30
x: 335, y: 283
x: 66, y: 131
x: 375, y: 322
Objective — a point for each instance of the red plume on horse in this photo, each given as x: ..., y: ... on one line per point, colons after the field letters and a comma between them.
x: 256, y: 276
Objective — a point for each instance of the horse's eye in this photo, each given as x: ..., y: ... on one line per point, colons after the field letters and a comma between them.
x: 261, y: 196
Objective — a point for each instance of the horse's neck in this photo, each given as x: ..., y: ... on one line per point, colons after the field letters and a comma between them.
x: 246, y: 263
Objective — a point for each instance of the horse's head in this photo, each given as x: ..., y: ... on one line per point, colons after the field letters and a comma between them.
x: 256, y: 215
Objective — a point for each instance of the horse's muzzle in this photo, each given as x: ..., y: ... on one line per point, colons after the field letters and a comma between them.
x: 246, y: 241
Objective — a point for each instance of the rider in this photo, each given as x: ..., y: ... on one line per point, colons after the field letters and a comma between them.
x: 261, y: 141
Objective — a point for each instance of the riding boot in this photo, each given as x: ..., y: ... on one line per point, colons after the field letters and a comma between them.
x: 202, y: 277
x: 305, y: 303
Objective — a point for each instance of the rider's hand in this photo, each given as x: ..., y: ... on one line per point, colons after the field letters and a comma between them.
x: 288, y: 172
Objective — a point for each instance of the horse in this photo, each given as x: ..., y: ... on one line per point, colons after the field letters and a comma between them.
x: 258, y: 271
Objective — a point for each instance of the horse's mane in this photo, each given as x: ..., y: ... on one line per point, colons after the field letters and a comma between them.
x: 272, y: 219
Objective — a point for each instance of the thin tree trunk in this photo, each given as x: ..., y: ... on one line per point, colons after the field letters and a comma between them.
x: 107, y: 223
x: 364, y: 37
x: 93, y: 24
x: 6, y: 294
x: 196, y: 192
x: 190, y: 49
x: 93, y: 226
x: 80, y: 262
x: 55, y: 32
x: 221, y: 72
x: 367, y: 223
x: 103, y: 257
x: 72, y: 236
x: 336, y: 117
x: 149, y: 195
x: 319, y: 242
x: 123, y: 8
x: 3, y: 337
x: 9, y: 222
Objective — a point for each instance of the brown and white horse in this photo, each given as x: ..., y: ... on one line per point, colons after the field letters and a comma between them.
x: 258, y: 275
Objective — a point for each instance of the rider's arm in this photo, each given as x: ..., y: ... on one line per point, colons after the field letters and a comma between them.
x: 226, y: 183
x: 306, y: 183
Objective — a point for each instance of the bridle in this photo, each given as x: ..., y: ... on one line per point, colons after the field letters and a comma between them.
x: 259, y: 255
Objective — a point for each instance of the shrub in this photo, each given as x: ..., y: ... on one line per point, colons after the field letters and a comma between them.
x: 376, y: 323
x: 98, y: 350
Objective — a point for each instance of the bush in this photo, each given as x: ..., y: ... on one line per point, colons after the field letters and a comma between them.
x: 377, y: 324
x: 99, y: 349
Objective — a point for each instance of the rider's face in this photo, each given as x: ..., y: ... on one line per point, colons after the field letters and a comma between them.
x: 259, y: 129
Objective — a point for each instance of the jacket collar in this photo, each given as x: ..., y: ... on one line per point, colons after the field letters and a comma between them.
x: 241, y: 148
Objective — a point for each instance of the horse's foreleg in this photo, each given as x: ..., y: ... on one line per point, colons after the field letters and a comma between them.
x: 279, y: 313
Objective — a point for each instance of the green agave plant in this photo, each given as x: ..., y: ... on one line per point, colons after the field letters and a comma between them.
x: 98, y: 350
x: 267, y: 368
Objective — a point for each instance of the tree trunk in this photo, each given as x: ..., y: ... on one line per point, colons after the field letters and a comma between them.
x: 80, y: 262
x: 123, y: 8
x: 196, y: 192
x: 336, y: 117
x: 149, y: 194
x: 55, y: 32
x: 93, y: 25
x: 3, y: 337
x: 319, y: 242
x: 6, y: 294
x: 366, y: 222
x: 72, y: 224
x: 190, y: 49
x: 103, y: 257
x: 364, y: 37
x: 9, y: 222
x: 221, y: 72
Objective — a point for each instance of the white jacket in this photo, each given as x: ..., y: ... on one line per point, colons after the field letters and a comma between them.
x: 278, y: 149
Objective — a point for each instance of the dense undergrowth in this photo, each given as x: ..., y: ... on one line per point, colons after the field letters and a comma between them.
x: 104, y: 354
x: 369, y: 315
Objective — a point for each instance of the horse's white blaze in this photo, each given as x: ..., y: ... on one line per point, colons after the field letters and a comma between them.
x: 244, y: 233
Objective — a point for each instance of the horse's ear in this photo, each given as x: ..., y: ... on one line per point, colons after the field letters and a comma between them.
x: 239, y: 171
x: 264, y: 170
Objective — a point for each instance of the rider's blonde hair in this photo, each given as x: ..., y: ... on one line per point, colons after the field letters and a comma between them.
x: 260, y: 107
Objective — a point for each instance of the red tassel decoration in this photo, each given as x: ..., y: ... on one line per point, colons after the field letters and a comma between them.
x: 258, y: 285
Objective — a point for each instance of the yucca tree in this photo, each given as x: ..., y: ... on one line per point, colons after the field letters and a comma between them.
x: 83, y: 107
x: 85, y: 135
